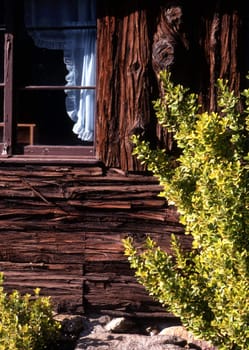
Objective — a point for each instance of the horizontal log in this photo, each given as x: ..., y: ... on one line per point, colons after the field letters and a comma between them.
x: 42, y: 258
x: 37, y: 267
x: 44, y: 278
x: 74, y: 220
x: 24, y: 212
x: 48, y: 192
x: 121, y: 204
x: 45, y: 178
x: 76, y: 206
x: 108, y: 204
x: 50, y: 171
x: 76, y: 191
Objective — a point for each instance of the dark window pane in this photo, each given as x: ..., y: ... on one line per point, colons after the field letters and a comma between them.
x: 46, y: 109
x: 43, y: 67
x: 2, y: 14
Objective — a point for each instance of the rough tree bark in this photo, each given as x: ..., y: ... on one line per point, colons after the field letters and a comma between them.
x: 124, y: 99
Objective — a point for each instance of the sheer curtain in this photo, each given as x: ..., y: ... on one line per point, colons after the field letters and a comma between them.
x: 68, y: 25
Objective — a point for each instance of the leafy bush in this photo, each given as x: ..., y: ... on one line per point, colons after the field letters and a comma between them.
x: 26, y: 323
x: 208, y: 287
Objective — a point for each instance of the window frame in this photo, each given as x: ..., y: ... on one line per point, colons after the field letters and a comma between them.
x: 35, y: 152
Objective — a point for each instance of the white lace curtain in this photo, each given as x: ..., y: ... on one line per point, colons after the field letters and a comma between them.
x: 58, y: 25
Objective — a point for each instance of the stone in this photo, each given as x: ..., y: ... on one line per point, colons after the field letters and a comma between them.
x: 71, y: 325
x: 152, y: 330
x: 120, y: 325
x: 176, y: 331
x: 193, y: 343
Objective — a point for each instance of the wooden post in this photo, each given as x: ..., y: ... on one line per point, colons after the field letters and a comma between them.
x: 124, y: 87
x: 8, y: 91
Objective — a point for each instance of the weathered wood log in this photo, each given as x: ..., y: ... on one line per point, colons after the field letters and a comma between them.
x: 124, y: 89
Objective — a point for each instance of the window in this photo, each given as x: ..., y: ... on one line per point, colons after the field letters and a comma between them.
x: 47, y: 77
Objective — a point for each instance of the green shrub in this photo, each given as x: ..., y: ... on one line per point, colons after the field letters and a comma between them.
x: 26, y: 322
x: 207, y: 287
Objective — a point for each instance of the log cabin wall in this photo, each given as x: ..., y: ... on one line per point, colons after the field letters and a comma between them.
x: 62, y: 224
x: 61, y: 230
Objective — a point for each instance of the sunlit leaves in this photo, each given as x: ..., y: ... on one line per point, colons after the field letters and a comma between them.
x: 209, y: 184
x: 26, y: 322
